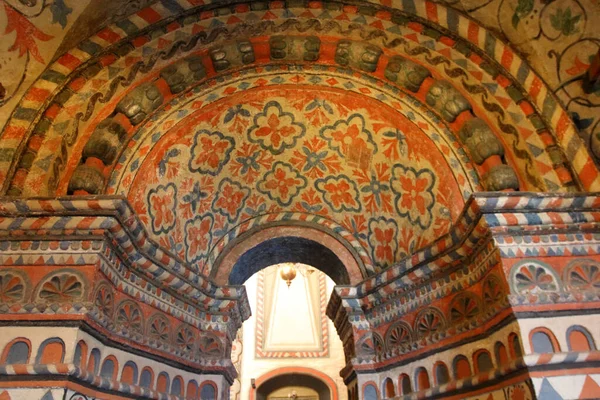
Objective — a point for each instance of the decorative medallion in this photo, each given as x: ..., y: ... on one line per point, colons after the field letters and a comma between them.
x: 398, y: 334
x: 429, y: 321
x: 210, y: 152
x: 463, y: 307
x: 104, y: 299
x: 275, y: 129
x: 533, y: 277
x: 12, y: 288
x: 129, y: 317
x: 62, y: 288
x: 185, y: 339
x: 492, y: 291
x: 159, y: 329
x: 583, y: 275
x: 210, y: 345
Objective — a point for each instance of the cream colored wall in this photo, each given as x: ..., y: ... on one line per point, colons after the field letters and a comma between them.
x: 300, y: 392
x: 253, y: 367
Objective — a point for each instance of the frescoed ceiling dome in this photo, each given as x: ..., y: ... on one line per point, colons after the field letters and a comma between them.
x: 320, y: 151
x: 371, y: 124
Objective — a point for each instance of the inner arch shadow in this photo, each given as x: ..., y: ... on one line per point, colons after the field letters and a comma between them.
x: 288, y: 249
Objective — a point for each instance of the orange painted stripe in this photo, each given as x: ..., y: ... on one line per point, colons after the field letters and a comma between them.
x: 473, y: 32
x: 39, y: 223
x: 109, y: 35
x: 37, y: 94
x: 14, y: 132
x: 52, y: 111
x: 535, y: 88
x: 511, y: 219
x: 140, y: 41
x: 562, y: 125
x: 69, y: 61
x: 431, y: 9
x: 149, y: 15
x: 507, y: 58
x: 588, y: 174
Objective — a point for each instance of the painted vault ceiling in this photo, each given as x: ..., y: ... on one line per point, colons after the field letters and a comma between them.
x: 373, y: 123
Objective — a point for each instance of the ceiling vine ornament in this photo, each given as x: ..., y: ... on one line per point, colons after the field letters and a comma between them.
x: 158, y: 98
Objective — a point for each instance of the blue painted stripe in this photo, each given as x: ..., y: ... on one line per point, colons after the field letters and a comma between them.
x: 489, y: 44
x: 549, y: 106
x: 579, y: 201
x: 409, y: 6
x: 89, y: 47
x: 452, y: 20
x: 533, y: 219
x: 68, y: 205
x: 53, y: 76
x: 25, y: 114
x: 523, y: 72
x: 492, y: 220
x: 129, y: 27
x: 21, y: 206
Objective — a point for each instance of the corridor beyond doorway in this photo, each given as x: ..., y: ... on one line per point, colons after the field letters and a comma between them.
x: 287, y: 333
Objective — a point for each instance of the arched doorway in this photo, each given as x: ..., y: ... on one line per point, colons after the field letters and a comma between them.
x: 315, y: 381
x: 288, y: 328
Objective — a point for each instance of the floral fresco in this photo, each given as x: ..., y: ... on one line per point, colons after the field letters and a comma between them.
x: 560, y: 39
x: 329, y: 153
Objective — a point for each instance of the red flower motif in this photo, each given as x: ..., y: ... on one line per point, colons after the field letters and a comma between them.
x: 230, y: 198
x: 349, y: 138
x: 412, y: 193
x: 339, y: 193
x: 162, y: 207
x: 275, y: 131
x: 198, y: 236
x: 384, y: 250
x: 26, y: 34
x: 281, y: 183
x: 211, y: 152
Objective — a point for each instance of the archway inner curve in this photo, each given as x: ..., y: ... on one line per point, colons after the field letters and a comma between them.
x: 288, y: 249
x: 284, y: 380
